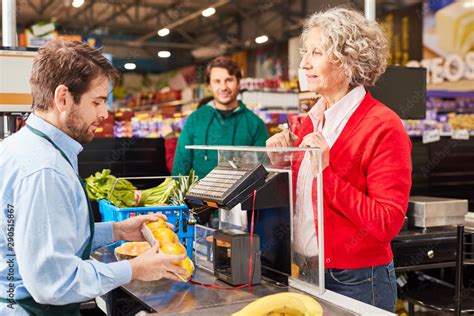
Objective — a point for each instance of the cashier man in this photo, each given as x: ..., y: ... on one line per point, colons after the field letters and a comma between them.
x: 47, y: 228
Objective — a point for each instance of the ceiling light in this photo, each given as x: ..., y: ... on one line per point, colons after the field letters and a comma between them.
x: 208, y: 12
x: 163, y: 32
x: 164, y: 54
x: 130, y: 66
x: 77, y: 3
x: 468, y: 4
x: 261, y: 39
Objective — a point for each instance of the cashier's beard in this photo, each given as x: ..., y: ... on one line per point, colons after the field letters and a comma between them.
x: 78, y: 129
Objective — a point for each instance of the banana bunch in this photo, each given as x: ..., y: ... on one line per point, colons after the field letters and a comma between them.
x: 282, y: 304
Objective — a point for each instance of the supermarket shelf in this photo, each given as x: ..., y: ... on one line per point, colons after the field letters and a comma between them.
x: 455, y: 110
x: 274, y: 109
x: 295, y: 111
x: 174, y: 103
x: 449, y: 94
x: 270, y: 90
x: 442, y: 134
x: 164, y: 104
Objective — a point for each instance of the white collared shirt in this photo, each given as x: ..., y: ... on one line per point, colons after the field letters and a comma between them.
x: 336, y: 118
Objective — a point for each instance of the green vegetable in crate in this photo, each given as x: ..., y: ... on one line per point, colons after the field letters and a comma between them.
x: 158, y: 195
x: 100, y: 185
x: 123, y: 198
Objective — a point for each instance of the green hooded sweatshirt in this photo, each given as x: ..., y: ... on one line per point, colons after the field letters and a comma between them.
x: 206, y: 126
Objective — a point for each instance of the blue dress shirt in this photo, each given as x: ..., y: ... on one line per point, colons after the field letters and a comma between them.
x: 44, y: 224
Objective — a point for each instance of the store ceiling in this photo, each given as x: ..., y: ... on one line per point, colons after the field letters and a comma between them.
x: 128, y: 28
x: 136, y: 22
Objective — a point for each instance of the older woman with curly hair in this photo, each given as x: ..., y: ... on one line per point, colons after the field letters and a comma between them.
x: 365, y: 159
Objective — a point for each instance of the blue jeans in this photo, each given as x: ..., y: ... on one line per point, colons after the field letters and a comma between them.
x: 376, y: 286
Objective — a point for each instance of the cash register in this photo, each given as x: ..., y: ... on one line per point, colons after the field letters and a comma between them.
x: 231, y: 183
x: 226, y: 186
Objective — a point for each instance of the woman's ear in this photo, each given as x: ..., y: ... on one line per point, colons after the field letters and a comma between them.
x: 60, y: 98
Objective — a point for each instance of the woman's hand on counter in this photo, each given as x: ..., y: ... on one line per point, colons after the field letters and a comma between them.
x: 153, y: 266
x: 317, y: 140
x: 283, y: 139
x: 130, y: 229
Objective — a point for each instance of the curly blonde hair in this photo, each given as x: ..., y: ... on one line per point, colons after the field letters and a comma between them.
x: 357, y: 45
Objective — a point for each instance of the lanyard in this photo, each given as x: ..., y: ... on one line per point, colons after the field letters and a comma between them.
x: 88, y: 248
x: 28, y: 303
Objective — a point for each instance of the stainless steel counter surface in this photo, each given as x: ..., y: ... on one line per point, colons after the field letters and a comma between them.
x: 171, y: 298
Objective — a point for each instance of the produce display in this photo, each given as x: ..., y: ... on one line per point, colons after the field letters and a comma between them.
x: 169, y: 244
x: 130, y: 250
x: 287, y: 303
x: 125, y: 194
x: 461, y: 121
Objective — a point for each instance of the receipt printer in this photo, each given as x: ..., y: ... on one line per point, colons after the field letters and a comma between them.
x: 231, y: 249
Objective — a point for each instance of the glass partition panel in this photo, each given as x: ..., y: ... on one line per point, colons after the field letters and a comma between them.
x: 297, y: 171
x: 203, y: 256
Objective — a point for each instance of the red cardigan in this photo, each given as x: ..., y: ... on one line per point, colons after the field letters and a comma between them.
x: 366, y: 187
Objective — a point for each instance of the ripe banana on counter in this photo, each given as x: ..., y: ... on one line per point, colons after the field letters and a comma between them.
x: 286, y: 311
x: 287, y: 304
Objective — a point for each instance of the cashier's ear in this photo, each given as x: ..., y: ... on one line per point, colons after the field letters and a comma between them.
x: 60, y: 98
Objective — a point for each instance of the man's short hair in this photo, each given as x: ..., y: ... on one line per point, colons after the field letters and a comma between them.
x: 70, y: 63
x: 226, y: 63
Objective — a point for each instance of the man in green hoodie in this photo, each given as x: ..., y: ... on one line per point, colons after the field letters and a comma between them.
x: 225, y: 121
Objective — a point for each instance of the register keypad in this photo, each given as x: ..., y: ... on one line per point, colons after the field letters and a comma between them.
x: 221, y: 182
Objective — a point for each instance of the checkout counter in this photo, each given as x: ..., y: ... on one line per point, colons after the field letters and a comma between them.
x: 258, y: 181
x: 166, y: 297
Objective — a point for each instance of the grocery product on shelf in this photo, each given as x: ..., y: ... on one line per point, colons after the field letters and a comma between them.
x: 272, y: 84
x: 445, y: 115
x: 123, y: 126
x: 461, y: 121
x: 147, y: 125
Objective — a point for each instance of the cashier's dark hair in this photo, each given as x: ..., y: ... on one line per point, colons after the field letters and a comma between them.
x: 70, y: 63
x: 226, y: 63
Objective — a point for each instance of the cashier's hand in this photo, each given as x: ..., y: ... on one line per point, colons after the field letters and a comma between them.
x: 153, y: 266
x: 130, y: 229
x: 317, y: 140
